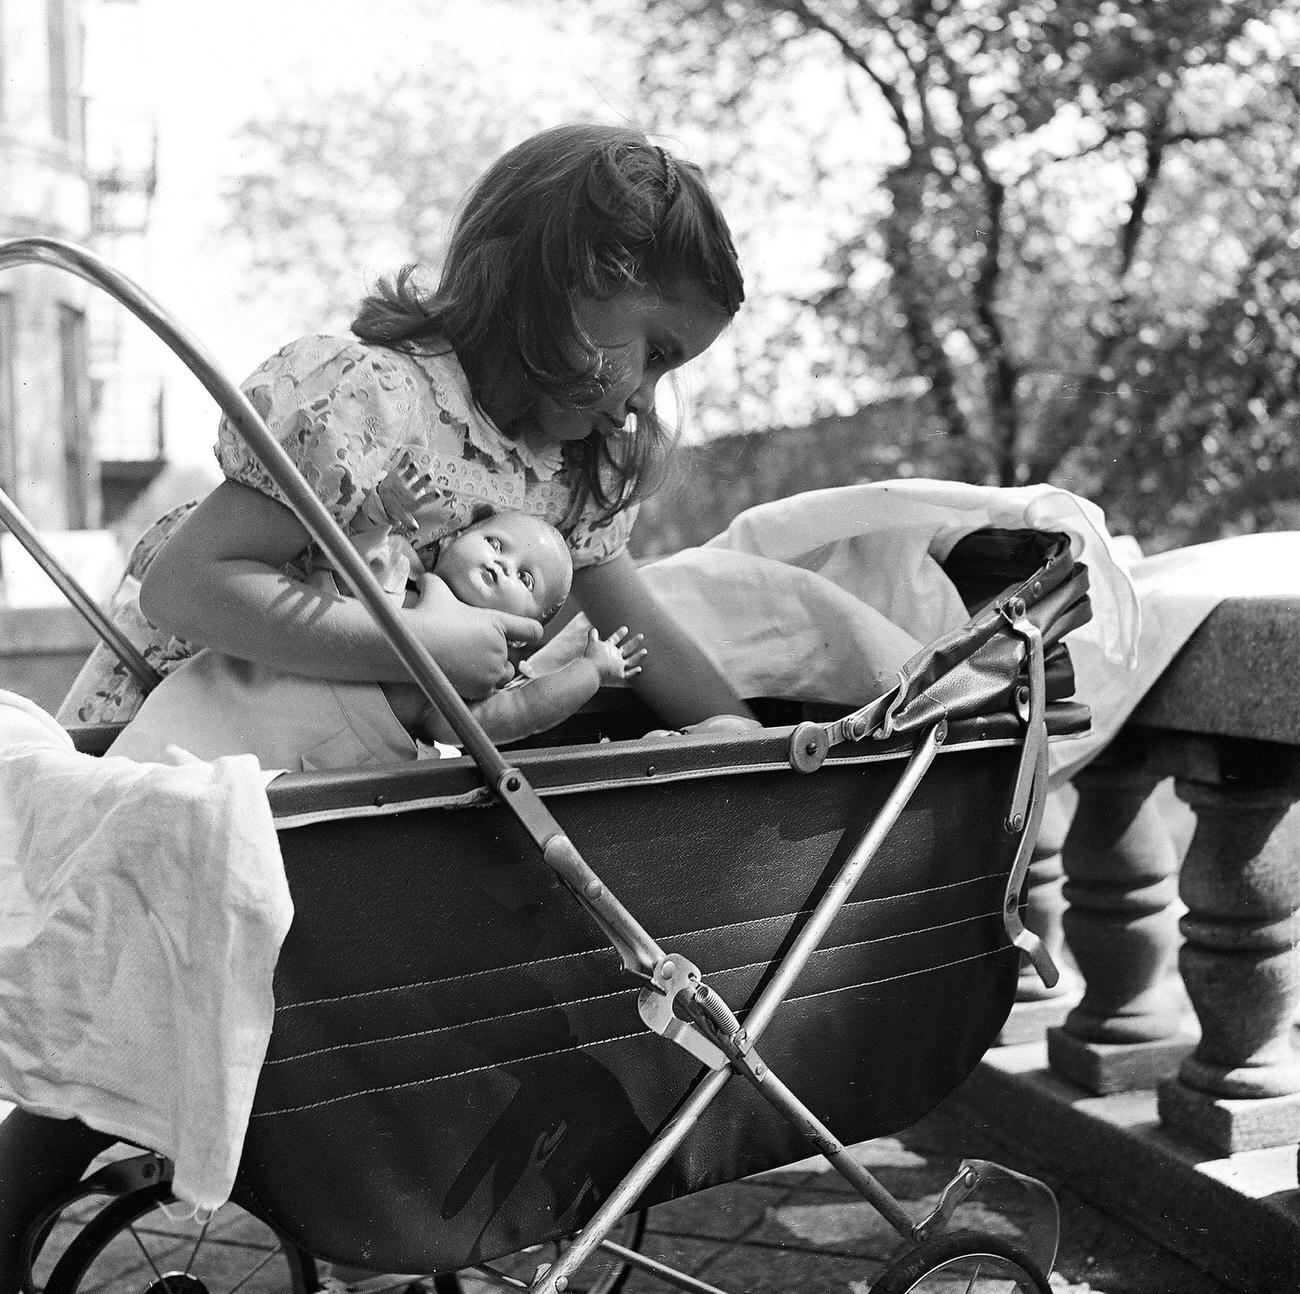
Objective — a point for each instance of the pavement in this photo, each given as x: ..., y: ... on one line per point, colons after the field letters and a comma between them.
x: 795, y: 1229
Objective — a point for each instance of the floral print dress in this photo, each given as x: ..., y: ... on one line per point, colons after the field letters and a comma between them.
x: 358, y: 420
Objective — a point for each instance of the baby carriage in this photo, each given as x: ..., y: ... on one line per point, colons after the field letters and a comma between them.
x: 838, y: 898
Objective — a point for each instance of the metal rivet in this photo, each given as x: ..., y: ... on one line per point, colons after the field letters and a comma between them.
x: 512, y: 783
x: 668, y: 969
x: 650, y: 770
x: 593, y: 889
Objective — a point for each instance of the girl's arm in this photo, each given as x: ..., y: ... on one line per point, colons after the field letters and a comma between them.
x: 218, y: 581
x: 678, y: 681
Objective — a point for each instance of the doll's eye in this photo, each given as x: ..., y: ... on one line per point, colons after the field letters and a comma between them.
x: 527, y: 578
x: 493, y: 542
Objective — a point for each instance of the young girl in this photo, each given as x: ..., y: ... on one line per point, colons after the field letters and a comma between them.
x: 586, y: 264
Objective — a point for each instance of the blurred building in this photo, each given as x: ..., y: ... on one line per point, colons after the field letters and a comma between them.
x: 80, y: 396
x: 47, y: 454
x: 80, y: 390
x: 122, y: 161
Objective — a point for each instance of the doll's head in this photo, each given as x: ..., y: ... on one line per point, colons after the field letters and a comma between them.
x: 508, y: 561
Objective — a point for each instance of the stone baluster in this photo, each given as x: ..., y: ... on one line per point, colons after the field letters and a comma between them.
x: 1240, y: 1088
x: 1129, y: 1028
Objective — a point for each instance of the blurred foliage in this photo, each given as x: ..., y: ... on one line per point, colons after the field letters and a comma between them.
x: 1063, y: 231
x: 332, y: 195
x: 1075, y: 222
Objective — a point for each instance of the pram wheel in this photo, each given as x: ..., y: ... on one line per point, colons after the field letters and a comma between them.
x: 132, y: 1245
x: 602, y: 1273
x: 963, y: 1262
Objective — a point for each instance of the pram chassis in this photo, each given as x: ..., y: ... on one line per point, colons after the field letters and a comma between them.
x: 675, y: 1000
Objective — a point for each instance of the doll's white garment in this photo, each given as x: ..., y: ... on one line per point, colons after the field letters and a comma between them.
x: 142, y: 909
x: 214, y: 705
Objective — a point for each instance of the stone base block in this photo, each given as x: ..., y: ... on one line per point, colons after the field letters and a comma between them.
x: 1229, y: 1125
x: 1106, y: 1067
x: 1030, y: 1020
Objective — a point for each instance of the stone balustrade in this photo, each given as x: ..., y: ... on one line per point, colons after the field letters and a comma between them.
x: 1214, y: 892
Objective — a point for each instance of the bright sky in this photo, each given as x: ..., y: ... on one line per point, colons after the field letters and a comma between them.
x: 202, y: 69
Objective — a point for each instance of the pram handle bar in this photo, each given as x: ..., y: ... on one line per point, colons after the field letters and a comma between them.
x: 638, y: 950
x: 145, y: 674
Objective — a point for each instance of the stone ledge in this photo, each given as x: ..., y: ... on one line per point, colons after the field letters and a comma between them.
x: 1238, y: 1217
x: 1235, y: 677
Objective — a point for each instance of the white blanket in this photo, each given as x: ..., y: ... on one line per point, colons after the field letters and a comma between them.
x: 142, y: 908
x: 824, y: 595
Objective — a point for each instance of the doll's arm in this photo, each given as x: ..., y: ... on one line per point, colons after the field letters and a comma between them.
x: 541, y: 702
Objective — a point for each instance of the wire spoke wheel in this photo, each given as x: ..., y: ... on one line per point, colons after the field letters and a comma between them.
x: 132, y: 1246
x: 602, y: 1273
x: 965, y: 1262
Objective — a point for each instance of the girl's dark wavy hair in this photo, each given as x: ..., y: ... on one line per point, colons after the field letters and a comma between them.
x: 578, y: 210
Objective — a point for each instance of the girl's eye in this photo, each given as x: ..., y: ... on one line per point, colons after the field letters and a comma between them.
x: 493, y: 542
x: 527, y: 579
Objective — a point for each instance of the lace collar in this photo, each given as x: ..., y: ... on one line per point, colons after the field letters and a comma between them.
x: 451, y: 390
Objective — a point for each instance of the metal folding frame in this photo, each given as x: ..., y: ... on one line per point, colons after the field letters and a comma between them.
x: 674, y: 1001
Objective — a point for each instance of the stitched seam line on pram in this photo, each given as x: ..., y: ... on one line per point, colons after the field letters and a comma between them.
x: 606, y: 997
x: 587, y: 954
x: 604, y: 1042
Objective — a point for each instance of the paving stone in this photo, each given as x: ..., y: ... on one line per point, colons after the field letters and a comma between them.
x: 797, y: 1229
x: 722, y: 1213
x: 762, y: 1269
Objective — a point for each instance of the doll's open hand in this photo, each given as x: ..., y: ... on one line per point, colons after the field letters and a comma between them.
x: 616, y: 657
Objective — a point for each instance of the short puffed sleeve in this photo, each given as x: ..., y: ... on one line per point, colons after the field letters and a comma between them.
x: 594, y: 541
x: 341, y: 409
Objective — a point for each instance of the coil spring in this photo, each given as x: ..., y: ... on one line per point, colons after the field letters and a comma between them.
x: 717, y: 1011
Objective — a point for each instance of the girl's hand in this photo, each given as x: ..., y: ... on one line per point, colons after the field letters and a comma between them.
x: 616, y: 657
x: 471, y: 645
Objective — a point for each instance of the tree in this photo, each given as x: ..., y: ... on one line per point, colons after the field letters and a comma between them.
x: 1074, y: 222
x: 328, y: 201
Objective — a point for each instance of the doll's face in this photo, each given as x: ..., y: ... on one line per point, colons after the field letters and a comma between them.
x: 510, y: 562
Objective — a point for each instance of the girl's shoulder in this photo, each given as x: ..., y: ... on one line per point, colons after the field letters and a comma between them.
x: 321, y: 372
x: 324, y: 358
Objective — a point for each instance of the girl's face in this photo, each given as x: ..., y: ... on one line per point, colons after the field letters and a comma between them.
x: 510, y: 562
x: 641, y: 335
